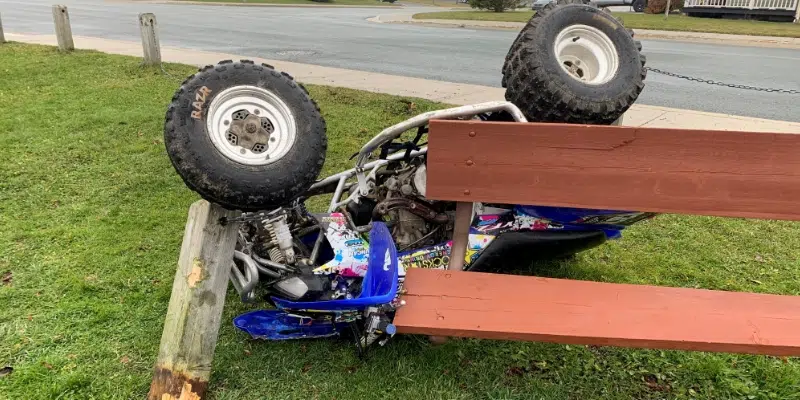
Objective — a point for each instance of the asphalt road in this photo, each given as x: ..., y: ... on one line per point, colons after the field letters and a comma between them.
x: 341, y: 37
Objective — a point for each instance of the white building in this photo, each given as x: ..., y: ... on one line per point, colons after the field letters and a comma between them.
x: 770, y: 10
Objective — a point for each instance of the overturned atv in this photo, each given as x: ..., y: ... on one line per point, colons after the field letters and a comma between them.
x: 250, y: 138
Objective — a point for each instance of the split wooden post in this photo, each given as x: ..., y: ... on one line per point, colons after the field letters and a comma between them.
x: 195, y: 307
x: 63, y: 28
x: 2, y: 36
x: 150, y: 44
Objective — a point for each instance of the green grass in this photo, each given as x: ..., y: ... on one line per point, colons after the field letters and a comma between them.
x: 309, y: 2
x: 437, y: 3
x: 644, y: 21
x: 694, y: 24
x: 92, y: 219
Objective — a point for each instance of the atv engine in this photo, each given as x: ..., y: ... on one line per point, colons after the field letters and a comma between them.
x: 271, y: 238
x: 400, y: 201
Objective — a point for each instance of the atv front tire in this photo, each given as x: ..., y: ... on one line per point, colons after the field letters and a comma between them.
x: 245, y: 136
x: 574, y: 63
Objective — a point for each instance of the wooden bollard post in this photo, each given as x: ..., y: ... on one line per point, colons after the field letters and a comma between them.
x: 150, y: 45
x: 195, y: 306
x: 63, y: 29
x: 2, y: 36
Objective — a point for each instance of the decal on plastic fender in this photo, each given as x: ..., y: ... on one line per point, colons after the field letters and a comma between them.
x: 351, y: 255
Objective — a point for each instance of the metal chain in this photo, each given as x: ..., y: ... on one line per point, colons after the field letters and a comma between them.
x: 710, y: 82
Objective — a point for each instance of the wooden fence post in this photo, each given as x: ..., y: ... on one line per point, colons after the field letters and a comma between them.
x: 195, y: 306
x: 63, y: 29
x: 2, y: 36
x: 797, y: 13
x: 152, y: 49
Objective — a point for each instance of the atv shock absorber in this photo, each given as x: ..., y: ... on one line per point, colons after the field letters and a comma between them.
x: 300, y: 208
x: 281, y: 238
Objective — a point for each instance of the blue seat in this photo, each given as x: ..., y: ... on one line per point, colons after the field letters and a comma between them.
x: 380, y: 282
x: 378, y: 287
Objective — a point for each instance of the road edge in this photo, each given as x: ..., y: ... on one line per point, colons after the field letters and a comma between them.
x: 678, y: 36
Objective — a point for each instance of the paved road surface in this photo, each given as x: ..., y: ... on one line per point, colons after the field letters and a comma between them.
x: 341, y: 37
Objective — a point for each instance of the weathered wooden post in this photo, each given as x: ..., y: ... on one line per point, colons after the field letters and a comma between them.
x: 195, y: 307
x: 458, y: 251
x: 63, y: 29
x: 150, y: 45
x: 2, y: 36
x: 797, y: 12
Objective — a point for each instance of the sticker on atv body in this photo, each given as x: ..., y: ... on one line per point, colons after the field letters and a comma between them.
x: 350, y: 251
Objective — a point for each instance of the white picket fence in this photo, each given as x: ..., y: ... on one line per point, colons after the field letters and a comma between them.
x: 745, y: 4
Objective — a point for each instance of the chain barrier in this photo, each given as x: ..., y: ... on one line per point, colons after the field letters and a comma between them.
x: 731, y: 85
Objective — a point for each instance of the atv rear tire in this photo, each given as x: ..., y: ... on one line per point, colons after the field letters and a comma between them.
x: 552, y: 77
x: 245, y: 136
x: 531, y: 24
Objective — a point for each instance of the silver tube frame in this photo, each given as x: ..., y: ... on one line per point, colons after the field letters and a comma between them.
x: 393, y: 132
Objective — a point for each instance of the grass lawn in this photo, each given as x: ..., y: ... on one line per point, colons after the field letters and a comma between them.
x: 309, y: 2
x: 438, y: 3
x: 91, y: 224
x: 644, y: 21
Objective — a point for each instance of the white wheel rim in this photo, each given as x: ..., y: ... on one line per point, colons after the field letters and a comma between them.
x: 270, y: 110
x: 587, y: 54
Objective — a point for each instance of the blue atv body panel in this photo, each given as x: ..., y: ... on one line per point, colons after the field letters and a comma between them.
x: 316, y: 319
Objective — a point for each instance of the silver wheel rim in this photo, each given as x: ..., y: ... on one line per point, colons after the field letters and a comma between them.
x: 587, y: 54
x: 238, y: 107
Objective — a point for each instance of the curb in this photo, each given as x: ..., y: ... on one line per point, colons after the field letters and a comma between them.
x: 383, y: 19
x: 720, y: 38
x: 680, y: 36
